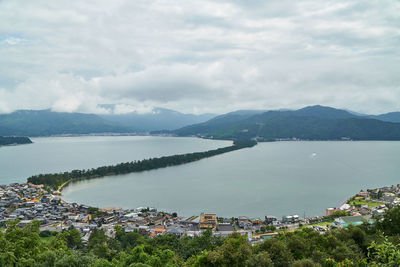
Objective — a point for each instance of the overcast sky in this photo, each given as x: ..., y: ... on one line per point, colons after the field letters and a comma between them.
x: 199, y: 56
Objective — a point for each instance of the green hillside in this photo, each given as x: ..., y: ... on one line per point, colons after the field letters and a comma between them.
x: 310, y: 123
x: 46, y: 122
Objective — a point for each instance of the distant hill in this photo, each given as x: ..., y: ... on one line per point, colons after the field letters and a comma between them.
x: 390, y: 117
x: 311, y: 123
x: 322, y: 112
x: 11, y: 140
x: 158, y: 119
x: 46, y: 122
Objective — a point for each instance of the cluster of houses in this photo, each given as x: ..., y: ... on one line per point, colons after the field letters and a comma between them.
x: 366, y: 206
x: 28, y: 202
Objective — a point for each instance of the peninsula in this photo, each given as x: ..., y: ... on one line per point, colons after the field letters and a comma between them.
x: 12, y: 140
x: 59, y: 180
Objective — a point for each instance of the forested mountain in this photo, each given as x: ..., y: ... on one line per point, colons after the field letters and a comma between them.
x: 11, y: 140
x: 46, y: 122
x: 322, y: 112
x: 158, y: 119
x: 390, y: 117
x: 311, y: 123
x: 314, y: 122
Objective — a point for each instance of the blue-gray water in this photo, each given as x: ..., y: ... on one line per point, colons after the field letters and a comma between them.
x: 272, y: 178
x: 57, y: 154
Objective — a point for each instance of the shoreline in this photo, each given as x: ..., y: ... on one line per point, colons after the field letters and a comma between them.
x: 306, y: 220
x: 260, y: 140
x: 65, y: 184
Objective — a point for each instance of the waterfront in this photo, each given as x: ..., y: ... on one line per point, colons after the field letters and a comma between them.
x: 272, y: 178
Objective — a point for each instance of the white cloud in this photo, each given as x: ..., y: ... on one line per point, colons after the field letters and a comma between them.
x: 199, y: 56
x: 139, y: 108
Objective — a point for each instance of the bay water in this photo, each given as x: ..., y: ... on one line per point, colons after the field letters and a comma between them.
x: 277, y: 178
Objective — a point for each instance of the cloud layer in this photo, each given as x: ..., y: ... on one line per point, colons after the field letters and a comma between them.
x: 199, y: 56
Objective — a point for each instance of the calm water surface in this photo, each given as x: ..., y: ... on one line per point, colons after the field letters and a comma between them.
x: 272, y: 178
x: 57, y: 154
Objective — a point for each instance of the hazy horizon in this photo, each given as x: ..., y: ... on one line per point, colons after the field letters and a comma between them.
x: 156, y: 110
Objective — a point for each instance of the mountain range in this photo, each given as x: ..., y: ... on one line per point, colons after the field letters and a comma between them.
x: 158, y: 119
x: 47, y: 122
x: 313, y: 123
x: 309, y: 123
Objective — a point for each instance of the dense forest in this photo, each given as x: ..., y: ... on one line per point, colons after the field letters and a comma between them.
x: 11, y: 140
x: 365, y: 245
x: 54, y: 180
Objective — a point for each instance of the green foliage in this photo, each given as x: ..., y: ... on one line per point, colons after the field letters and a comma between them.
x: 390, y: 223
x: 47, y: 233
x: 233, y: 252
x: 305, y: 263
x: 270, y: 228
x: 278, y: 251
x: 72, y: 238
x: 352, y: 246
x: 384, y: 254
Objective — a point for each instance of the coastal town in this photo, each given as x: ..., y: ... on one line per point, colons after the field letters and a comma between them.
x: 28, y: 202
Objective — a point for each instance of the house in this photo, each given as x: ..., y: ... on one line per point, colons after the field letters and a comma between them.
x: 159, y: 231
x: 345, y: 206
x: 389, y: 197
x: 287, y: 219
x: 176, y: 231
x: 256, y: 221
x: 225, y: 227
x: 395, y: 202
x: 330, y: 211
x: 245, y: 224
x: 378, y: 212
x: 290, y: 219
x: 132, y: 215
x: 364, y: 194
x: 243, y: 219
x: 208, y: 221
x: 269, y: 219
